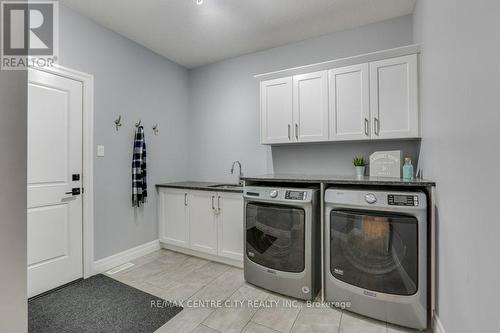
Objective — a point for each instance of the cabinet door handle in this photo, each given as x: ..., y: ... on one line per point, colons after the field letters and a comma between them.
x: 218, y: 204
x: 366, y: 127
x: 296, y: 131
x: 213, y: 207
x: 289, y: 137
x: 185, y: 199
x: 377, y: 126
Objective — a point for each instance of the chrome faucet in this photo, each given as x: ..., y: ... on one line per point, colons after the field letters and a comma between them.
x: 241, y: 172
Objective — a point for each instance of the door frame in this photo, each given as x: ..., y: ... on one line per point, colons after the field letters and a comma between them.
x: 87, y: 81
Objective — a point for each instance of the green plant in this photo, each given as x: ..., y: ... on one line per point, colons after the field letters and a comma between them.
x: 359, y: 161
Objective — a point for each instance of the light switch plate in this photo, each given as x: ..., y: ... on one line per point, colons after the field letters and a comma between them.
x: 100, y: 151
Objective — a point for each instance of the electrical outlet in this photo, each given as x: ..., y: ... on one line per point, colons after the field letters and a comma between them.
x: 100, y: 151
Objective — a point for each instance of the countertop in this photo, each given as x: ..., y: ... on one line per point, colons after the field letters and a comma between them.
x: 340, y: 180
x: 204, y: 186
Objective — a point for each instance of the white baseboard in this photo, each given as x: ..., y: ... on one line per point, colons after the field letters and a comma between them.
x: 437, y: 325
x: 104, y: 264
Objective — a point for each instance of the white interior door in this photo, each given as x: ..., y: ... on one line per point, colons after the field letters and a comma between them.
x: 310, y: 107
x: 55, y: 113
x: 394, y: 98
x: 349, y: 103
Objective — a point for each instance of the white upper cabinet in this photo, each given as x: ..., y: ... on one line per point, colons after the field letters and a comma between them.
x: 349, y: 103
x: 394, y: 98
x: 310, y: 107
x: 371, y: 100
x: 276, y: 110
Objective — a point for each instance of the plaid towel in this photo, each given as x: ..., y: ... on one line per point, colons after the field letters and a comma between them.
x: 139, y: 181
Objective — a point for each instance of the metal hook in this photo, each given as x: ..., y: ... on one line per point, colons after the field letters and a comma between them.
x: 156, y: 130
x: 118, y: 122
x: 138, y: 124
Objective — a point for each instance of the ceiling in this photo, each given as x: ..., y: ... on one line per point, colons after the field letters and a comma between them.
x: 193, y: 35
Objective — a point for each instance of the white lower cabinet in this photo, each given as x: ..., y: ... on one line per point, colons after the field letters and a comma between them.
x: 230, y: 225
x: 202, y: 222
x: 173, y: 216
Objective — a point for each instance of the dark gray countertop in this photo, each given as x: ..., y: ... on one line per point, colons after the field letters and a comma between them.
x: 204, y: 186
x: 340, y: 180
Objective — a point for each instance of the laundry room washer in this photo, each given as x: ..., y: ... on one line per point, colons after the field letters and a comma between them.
x: 282, y: 240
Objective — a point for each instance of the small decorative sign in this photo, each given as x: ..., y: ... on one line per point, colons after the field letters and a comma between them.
x: 386, y: 164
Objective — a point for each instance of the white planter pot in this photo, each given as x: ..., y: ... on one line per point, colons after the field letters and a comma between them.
x: 360, y: 171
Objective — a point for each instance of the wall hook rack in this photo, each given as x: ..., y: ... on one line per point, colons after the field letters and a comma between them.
x: 138, y: 123
x: 118, y: 122
x: 156, y: 130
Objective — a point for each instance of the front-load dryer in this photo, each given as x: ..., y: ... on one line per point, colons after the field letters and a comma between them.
x: 376, y: 254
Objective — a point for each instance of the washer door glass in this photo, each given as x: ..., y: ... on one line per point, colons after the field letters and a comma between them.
x: 275, y: 236
x: 375, y: 250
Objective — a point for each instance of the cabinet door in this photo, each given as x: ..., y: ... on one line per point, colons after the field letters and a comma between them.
x: 202, y: 226
x: 394, y: 98
x: 276, y: 110
x: 310, y: 107
x: 230, y: 225
x: 172, y: 206
x: 349, y: 103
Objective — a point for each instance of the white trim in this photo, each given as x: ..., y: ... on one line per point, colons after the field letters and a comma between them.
x: 227, y: 261
x: 105, y: 264
x: 87, y: 81
x: 437, y: 325
x: 342, y: 62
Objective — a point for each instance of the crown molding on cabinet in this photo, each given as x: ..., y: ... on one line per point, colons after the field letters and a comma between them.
x: 342, y: 62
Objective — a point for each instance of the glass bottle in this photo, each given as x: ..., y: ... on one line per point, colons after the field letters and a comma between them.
x: 408, y: 169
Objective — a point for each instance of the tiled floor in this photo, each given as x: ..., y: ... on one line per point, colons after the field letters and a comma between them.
x: 178, y: 277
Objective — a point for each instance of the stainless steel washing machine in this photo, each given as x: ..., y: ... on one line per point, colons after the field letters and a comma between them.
x: 282, y: 240
x: 376, y: 254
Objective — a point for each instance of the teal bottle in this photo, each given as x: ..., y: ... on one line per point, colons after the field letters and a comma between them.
x: 408, y: 169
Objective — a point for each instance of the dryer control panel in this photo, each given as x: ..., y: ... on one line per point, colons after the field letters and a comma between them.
x: 402, y: 200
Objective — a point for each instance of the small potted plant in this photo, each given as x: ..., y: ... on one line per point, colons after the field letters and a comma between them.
x: 360, y: 166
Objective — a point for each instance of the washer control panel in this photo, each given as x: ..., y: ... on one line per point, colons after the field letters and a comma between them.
x: 370, y: 198
x: 402, y: 200
x: 296, y: 195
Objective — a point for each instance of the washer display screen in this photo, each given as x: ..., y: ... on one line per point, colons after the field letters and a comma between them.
x: 295, y: 195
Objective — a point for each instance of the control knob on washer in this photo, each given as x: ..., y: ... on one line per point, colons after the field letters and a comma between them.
x: 273, y: 194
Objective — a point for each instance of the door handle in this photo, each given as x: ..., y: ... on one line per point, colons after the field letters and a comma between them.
x: 218, y: 204
x: 296, y: 131
x: 185, y: 199
x: 289, y: 137
x: 213, y: 207
x: 377, y: 126
x: 367, y: 130
x: 74, y: 191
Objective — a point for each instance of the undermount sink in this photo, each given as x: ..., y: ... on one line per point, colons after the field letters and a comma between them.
x: 226, y: 186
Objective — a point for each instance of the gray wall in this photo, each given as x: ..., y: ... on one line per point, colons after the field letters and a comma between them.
x: 224, y: 107
x: 13, y: 137
x: 138, y: 84
x: 460, y: 98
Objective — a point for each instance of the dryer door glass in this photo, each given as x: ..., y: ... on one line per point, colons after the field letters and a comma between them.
x: 376, y: 251
x: 275, y: 236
